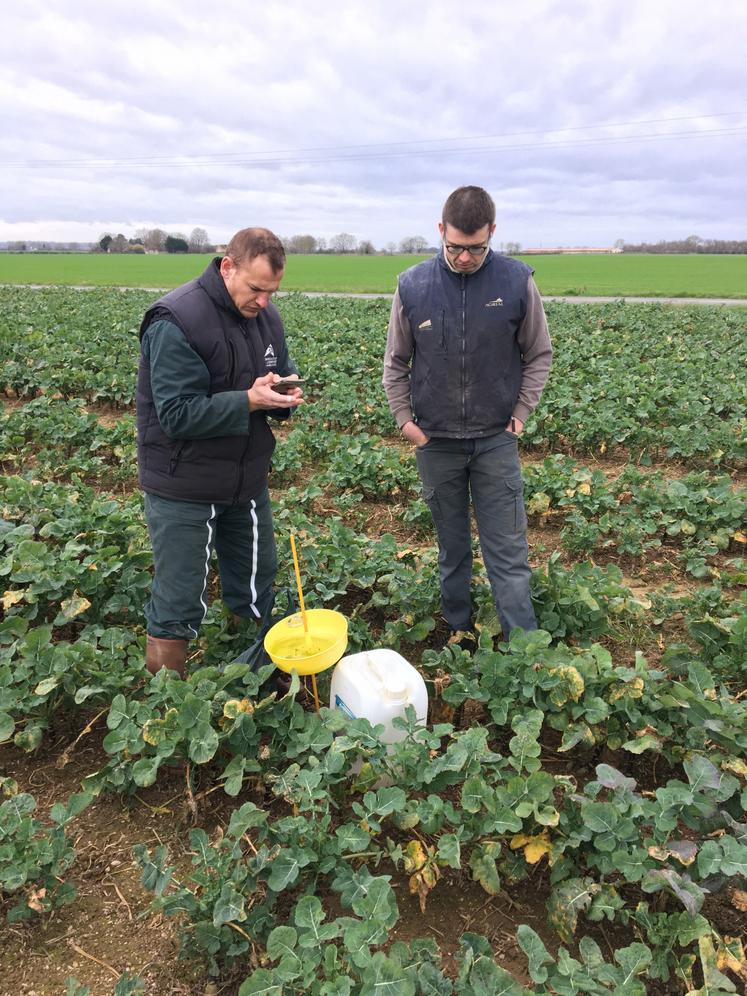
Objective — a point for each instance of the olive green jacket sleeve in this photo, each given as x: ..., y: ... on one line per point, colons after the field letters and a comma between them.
x: 180, y: 384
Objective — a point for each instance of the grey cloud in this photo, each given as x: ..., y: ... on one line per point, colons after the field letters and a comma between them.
x: 138, y: 81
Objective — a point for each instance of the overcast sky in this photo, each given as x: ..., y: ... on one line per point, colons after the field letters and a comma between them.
x: 587, y: 121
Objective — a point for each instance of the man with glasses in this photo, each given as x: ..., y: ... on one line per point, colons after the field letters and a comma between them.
x: 211, y: 355
x: 467, y: 356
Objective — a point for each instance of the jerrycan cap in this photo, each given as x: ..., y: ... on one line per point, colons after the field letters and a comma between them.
x: 393, y: 687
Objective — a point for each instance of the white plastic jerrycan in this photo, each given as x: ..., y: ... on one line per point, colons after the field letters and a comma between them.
x: 378, y: 685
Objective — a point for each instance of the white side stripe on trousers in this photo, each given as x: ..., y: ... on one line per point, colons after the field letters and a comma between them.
x: 255, y: 559
x: 207, y: 565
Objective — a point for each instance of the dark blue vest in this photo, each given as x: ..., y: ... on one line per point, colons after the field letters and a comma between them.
x: 466, y: 367
x: 235, y: 350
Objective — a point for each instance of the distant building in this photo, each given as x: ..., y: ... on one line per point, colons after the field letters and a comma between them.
x: 569, y: 251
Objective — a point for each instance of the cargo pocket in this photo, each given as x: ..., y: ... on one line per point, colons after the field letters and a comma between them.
x: 516, y: 517
x: 430, y: 498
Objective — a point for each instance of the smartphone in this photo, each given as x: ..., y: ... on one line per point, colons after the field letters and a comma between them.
x: 287, y: 384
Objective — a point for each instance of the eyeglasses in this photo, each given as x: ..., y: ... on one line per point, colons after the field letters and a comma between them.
x: 472, y: 250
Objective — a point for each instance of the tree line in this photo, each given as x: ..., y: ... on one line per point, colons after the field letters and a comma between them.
x: 157, y: 240
x: 692, y: 244
x: 344, y: 243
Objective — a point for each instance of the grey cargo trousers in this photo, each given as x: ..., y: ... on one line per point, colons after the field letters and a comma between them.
x: 487, y: 473
x: 183, y: 535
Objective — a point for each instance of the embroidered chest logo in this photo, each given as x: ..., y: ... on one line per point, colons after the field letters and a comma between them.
x: 427, y: 324
x: 270, y: 359
x: 498, y: 303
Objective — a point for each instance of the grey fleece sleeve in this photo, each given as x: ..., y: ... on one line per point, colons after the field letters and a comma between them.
x: 536, y: 353
x: 397, y: 359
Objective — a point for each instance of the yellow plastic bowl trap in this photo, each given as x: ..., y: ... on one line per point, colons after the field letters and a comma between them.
x: 291, y: 648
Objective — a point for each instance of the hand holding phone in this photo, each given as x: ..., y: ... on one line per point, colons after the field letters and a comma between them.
x: 287, y: 384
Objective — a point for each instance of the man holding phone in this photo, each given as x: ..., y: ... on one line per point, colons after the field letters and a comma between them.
x: 467, y: 355
x: 212, y: 353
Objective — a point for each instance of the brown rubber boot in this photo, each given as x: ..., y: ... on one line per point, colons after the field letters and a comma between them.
x: 171, y: 654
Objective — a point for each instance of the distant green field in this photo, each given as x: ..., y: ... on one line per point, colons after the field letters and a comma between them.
x: 623, y: 275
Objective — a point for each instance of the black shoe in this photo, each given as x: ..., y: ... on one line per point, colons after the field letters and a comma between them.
x: 465, y: 639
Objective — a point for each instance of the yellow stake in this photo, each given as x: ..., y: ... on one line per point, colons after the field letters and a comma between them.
x: 307, y: 635
x: 298, y: 584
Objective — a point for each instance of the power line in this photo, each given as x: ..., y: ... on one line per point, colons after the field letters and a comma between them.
x: 256, y: 161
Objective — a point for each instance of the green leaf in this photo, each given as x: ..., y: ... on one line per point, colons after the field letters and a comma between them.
x: 245, y: 818
x: 600, y: 817
x: 352, y: 838
x: 117, y: 712
x: 634, y: 960
x: 233, y: 774
x: 229, y: 906
x: 308, y: 917
x: 538, y: 955
x: 281, y: 944
x: 476, y: 794
x: 145, y: 770
x: 702, y: 773
x: 449, y: 850
x: 640, y: 744
x: 129, y: 985
x: 385, y: 976
x: 378, y: 904
x: 735, y: 857
x: 360, y: 937
x: 203, y: 744
x: 156, y: 876
x: 286, y: 868
x: 261, y: 983
x: 484, y: 870
x: 7, y: 725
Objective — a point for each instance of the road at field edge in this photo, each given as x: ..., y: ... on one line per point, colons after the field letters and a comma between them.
x: 734, y: 301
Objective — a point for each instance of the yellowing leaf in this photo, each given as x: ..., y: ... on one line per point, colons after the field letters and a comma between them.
x: 739, y: 537
x: 632, y: 689
x: 73, y: 606
x: 234, y: 707
x: 538, y: 504
x: 414, y: 856
x: 153, y: 732
x: 35, y: 900
x: 730, y: 955
x: 573, y: 682
x: 585, y: 488
x: 12, y: 598
x: 534, y: 847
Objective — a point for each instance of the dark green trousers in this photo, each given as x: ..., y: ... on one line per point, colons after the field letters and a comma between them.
x: 184, y: 535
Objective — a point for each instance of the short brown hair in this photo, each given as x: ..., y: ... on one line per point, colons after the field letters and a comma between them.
x: 469, y: 209
x: 252, y: 242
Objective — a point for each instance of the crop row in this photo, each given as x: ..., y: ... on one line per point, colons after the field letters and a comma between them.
x: 655, y: 381
x: 697, y: 516
x: 554, y: 783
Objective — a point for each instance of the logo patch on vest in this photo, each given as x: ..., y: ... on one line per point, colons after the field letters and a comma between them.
x: 270, y: 359
x: 427, y: 324
x: 498, y: 303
